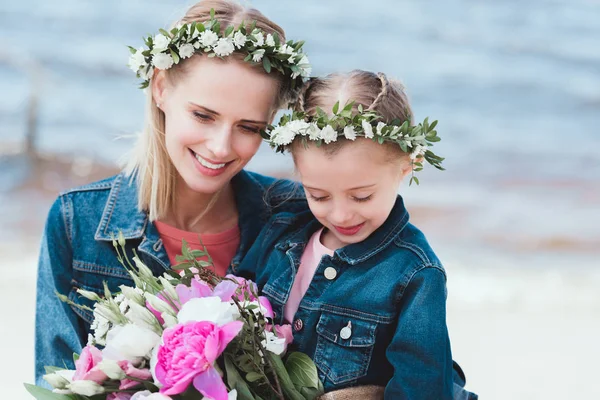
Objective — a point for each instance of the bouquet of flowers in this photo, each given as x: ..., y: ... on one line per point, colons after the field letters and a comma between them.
x: 185, y: 335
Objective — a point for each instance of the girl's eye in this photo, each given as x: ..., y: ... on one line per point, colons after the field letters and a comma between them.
x: 250, y: 129
x: 322, y: 198
x: 202, y: 117
x: 362, y: 199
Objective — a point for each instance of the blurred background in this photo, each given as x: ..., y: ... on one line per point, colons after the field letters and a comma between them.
x: 515, y: 218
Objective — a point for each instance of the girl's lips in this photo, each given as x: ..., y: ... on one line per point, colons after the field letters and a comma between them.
x: 349, y: 230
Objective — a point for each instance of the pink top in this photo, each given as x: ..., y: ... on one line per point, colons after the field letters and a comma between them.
x: 309, y: 262
x: 221, y: 246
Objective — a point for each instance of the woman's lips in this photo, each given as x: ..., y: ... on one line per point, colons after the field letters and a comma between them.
x: 208, y: 167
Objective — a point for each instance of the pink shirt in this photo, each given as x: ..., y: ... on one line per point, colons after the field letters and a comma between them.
x: 309, y: 262
x: 221, y: 246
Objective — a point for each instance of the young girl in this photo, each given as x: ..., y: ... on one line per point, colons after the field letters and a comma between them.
x: 364, y: 291
x: 209, y: 95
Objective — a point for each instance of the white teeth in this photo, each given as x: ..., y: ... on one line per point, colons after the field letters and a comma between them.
x: 205, y: 163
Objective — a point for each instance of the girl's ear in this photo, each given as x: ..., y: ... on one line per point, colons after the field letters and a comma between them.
x: 159, y: 83
x: 406, y: 168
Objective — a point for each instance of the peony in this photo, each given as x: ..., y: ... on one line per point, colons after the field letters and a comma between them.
x: 239, y: 39
x: 129, y: 342
x: 349, y: 133
x: 162, y: 61
x: 208, y: 38
x: 210, y: 309
x: 86, y: 367
x: 186, y: 51
x: 368, y: 128
x: 224, y: 47
x: 258, y: 55
x: 187, y: 355
x: 328, y: 134
x: 161, y: 42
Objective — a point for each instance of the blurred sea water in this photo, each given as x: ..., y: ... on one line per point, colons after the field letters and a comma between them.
x: 515, y: 86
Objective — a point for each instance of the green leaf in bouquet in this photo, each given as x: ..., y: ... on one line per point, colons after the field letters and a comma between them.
x: 45, y: 394
x: 235, y: 381
x: 302, y: 370
x: 289, y: 390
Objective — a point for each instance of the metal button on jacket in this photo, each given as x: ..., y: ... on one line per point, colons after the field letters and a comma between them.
x: 298, y: 325
x: 330, y: 273
x: 346, y: 331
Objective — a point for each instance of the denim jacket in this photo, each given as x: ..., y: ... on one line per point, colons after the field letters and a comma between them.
x: 375, y: 312
x: 77, y: 251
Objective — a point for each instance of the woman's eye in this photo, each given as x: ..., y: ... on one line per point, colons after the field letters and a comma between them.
x: 250, y: 129
x: 362, y: 199
x: 315, y: 198
x: 202, y: 117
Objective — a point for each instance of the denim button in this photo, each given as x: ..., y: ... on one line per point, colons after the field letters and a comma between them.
x: 346, y: 331
x: 298, y: 325
x: 330, y: 273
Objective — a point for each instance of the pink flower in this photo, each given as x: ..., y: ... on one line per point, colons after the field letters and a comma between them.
x: 265, y: 306
x: 133, y: 372
x: 86, y: 366
x: 285, y: 332
x: 196, y: 289
x: 187, y: 355
x: 119, y: 396
x: 247, y: 287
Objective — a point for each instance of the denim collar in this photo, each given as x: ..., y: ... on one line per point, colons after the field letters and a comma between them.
x: 357, y: 252
x: 121, y: 212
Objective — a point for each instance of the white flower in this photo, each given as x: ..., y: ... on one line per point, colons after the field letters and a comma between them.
x: 208, y: 309
x: 86, y: 388
x: 314, y: 132
x: 291, y: 60
x: 208, y: 38
x: 258, y: 55
x: 349, y: 132
x: 270, y: 41
x: 162, y: 61
x: 129, y: 342
x: 273, y: 344
x: 417, y: 152
x: 137, y: 60
x: 170, y: 320
x: 380, y: 126
x: 100, y: 326
x: 147, y: 74
x: 159, y: 305
x: 60, y: 379
x: 224, y: 47
x: 298, y: 126
x: 135, y: 295
x: 148, y: 395
x: 186, y: 51
x: 112, y: 369
x: 239, y: 39
x: 285, y: 49
x: 328, y: 134
x: 282, y: 136
x: 304, y: 65
x: 260, y: 38
x: 161, y: 42
x: 368, y: 128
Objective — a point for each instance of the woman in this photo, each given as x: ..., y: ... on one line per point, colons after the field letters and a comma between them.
x: 210, y: 92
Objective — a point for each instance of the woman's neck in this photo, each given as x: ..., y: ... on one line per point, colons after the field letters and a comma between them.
x: 201, y: 212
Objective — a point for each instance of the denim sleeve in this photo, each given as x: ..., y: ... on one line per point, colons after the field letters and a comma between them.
x: 420, y: 349
x: 58, y: 332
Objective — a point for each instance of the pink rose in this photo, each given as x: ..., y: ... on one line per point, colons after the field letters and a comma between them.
x: 187, y: 355
x: 86, y: 367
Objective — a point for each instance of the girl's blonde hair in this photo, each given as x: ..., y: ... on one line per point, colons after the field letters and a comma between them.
x: 150, y: 162
x: 374, y: 91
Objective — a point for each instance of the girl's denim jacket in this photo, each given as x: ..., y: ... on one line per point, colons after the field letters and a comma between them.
x: 375, y: 312
x: 77, y: 251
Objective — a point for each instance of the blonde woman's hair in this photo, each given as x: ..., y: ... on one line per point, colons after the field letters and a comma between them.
x: 150, y: 162
x: 374, y: 91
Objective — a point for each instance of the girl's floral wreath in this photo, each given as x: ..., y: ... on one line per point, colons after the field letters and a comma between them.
x: 322, y: 128
x: 168, y: 48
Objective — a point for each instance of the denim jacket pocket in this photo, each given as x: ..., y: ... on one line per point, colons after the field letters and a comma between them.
x: 344, y: 347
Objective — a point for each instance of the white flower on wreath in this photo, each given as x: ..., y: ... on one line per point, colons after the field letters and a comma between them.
x: 224, y: 47
x: 380, y: 126
x: 417, y: 152
x: 285, y: 49
x: 208, y: 38
x: 328, y: 134
x: 349, y: 132
x: 162, y: 61
x: 161, y: 42
x: 137, y: 60
x: 258, y: 55
x: 260, y: 38
x: 186, y: 51
x: 298, y: 126
x: 305, y: 68
x: 239, y: 39
x: 147, y: 73
x: 314, y: 133
x: 368, y: 128
x: 270, y: 41
x: 282, y: 135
